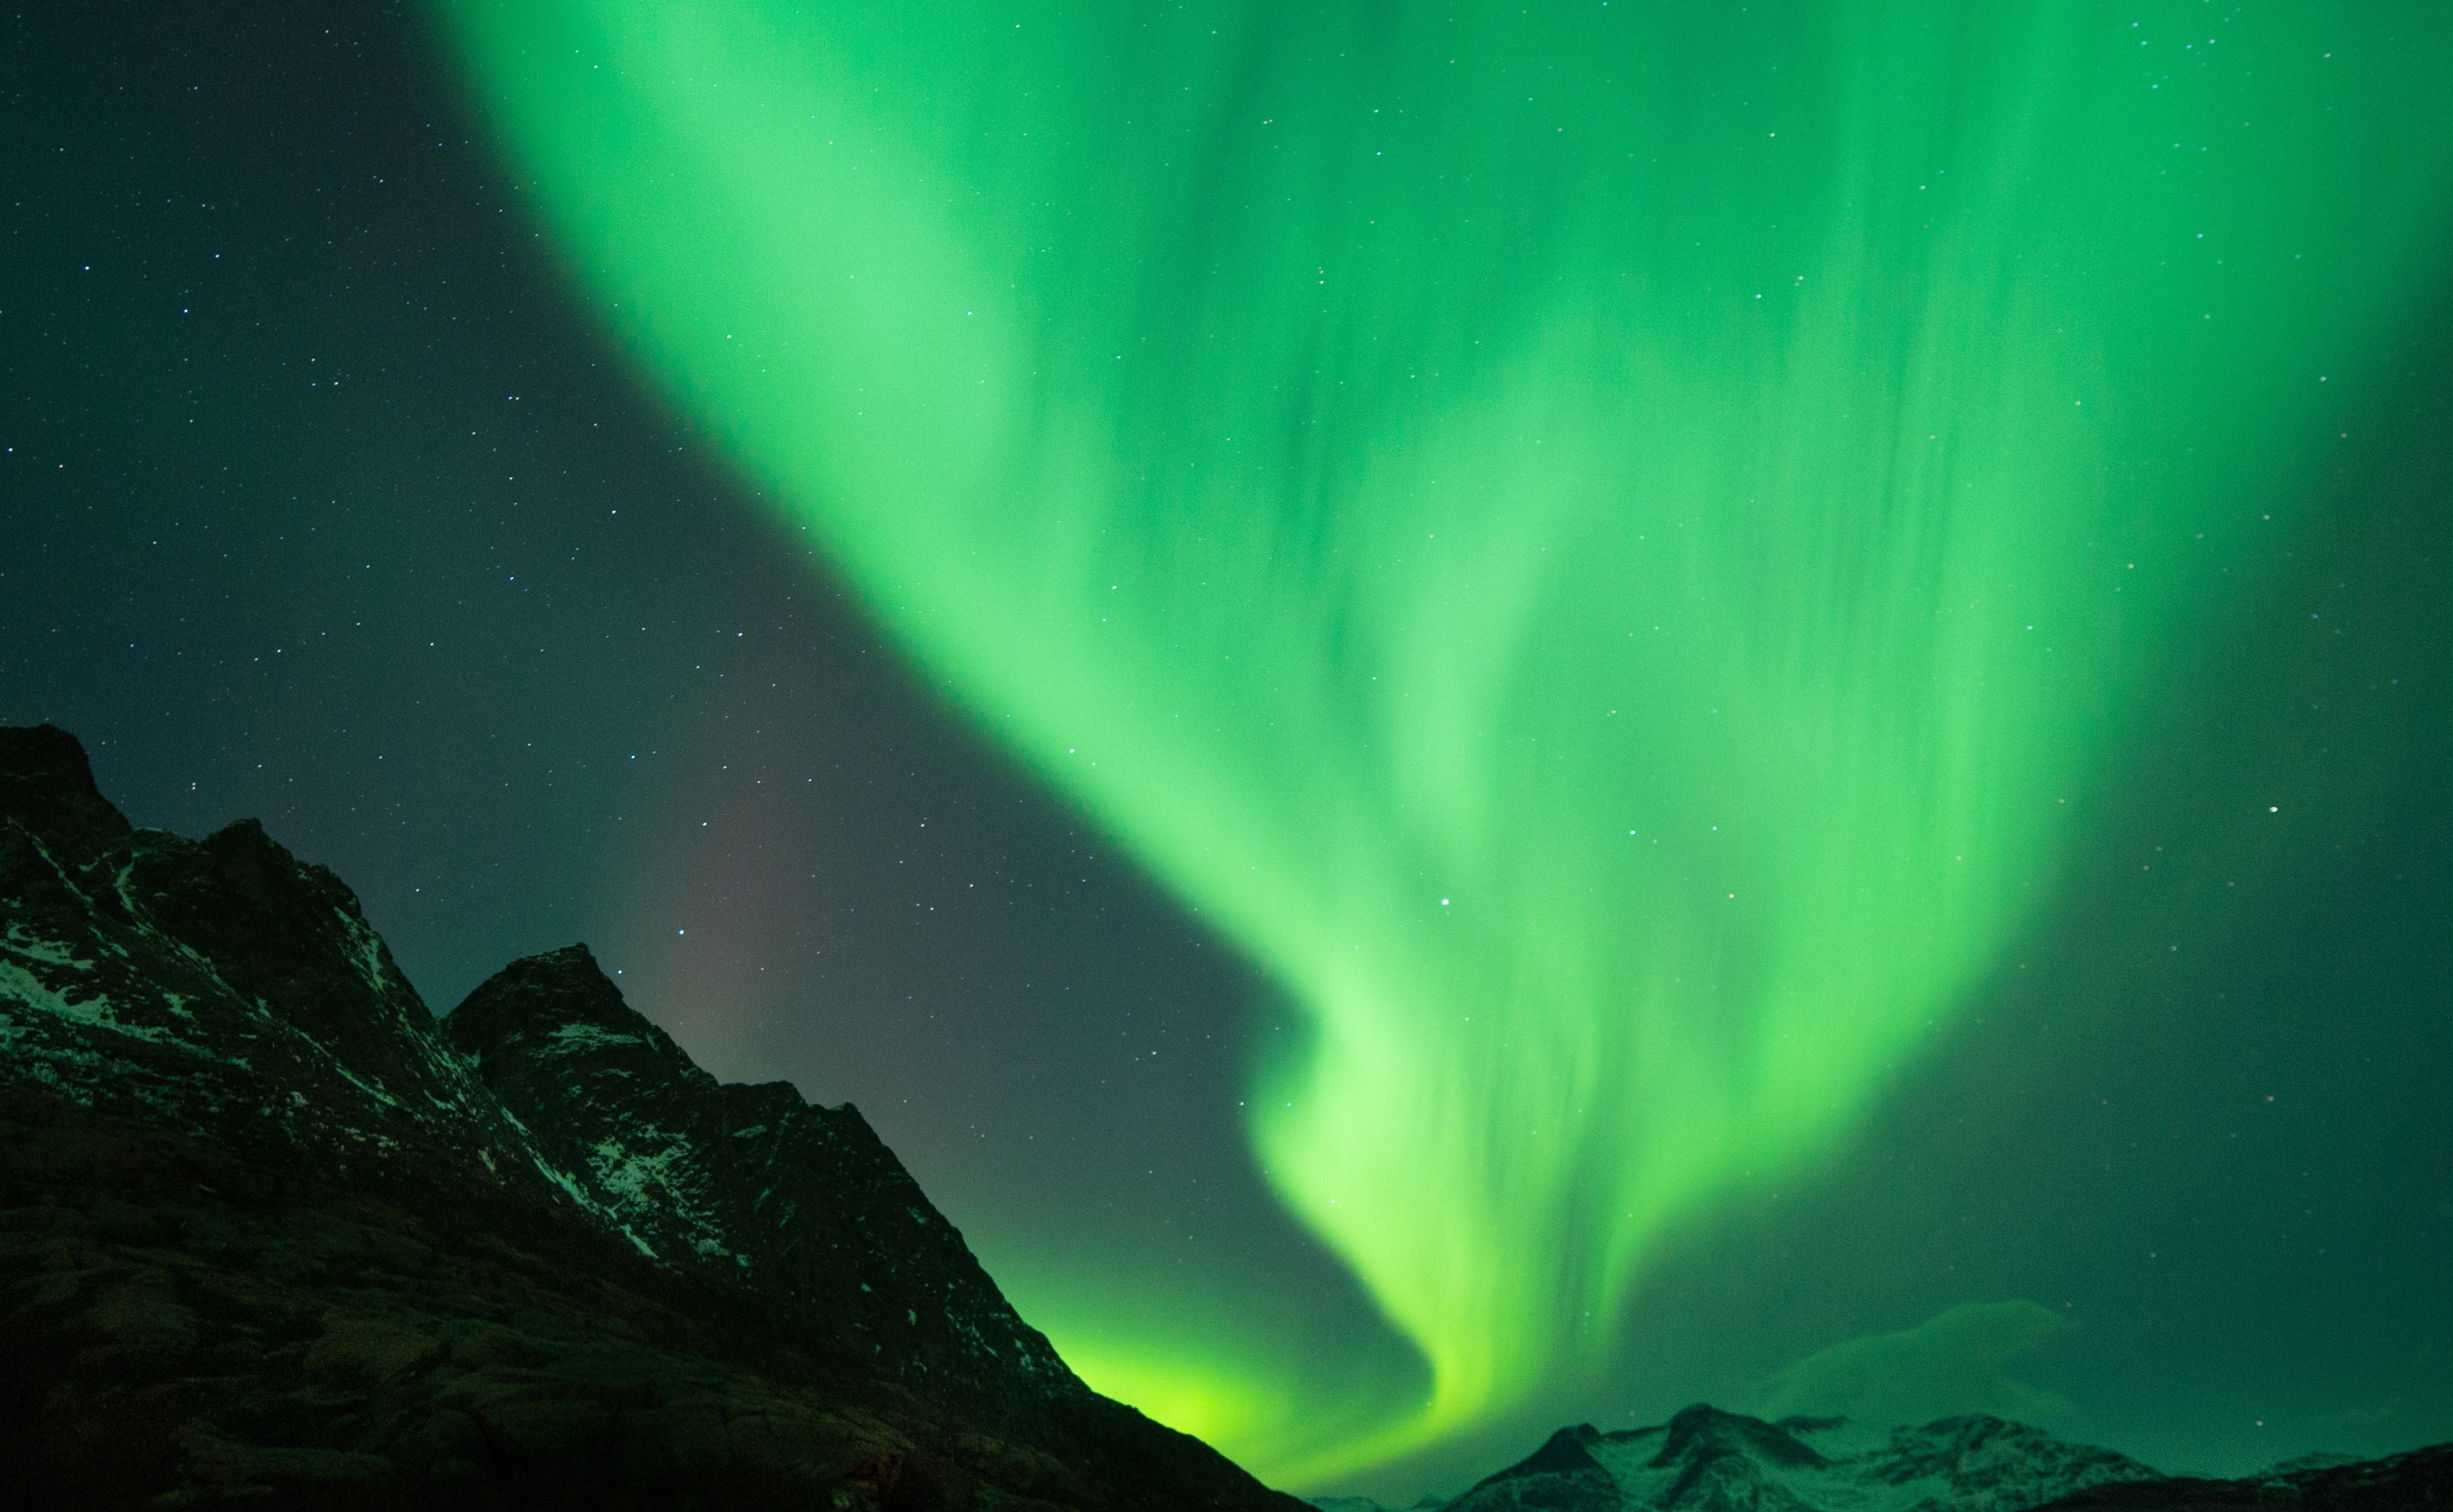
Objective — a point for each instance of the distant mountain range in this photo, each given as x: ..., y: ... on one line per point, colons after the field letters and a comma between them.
x: 1705, y: 1459
x: 270, y: 1231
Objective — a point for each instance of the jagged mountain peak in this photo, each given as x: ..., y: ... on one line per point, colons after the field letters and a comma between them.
x: 1570, y: 1449
x: 1702, y: 1432
x: 751, y: 1185
x: 46, y: 785
x: 561, y: 1003
x: 220, y: 988
x: 1562, y: 1473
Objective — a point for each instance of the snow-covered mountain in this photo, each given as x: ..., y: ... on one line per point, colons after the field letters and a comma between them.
x: 1704, y: 1460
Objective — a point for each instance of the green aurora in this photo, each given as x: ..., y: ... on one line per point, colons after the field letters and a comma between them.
x: 1607, y: 547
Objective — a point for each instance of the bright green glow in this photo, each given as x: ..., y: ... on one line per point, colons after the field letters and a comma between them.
x: 1203, y: 1358
x: 1606, y: 548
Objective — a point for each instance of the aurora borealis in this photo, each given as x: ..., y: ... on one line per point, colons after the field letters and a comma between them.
x: 1609, y: 592
x: 1633, y: 562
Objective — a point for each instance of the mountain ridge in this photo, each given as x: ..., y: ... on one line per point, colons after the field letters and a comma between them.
x: 1707, y: 1460
x: 270, y: 1228
x: 658, y: 1146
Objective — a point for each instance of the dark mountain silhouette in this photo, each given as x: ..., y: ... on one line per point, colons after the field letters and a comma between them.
x: 270, y: 1231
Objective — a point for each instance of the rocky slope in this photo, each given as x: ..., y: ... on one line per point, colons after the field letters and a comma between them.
x: 221, y: 990
x: 270, y: 1230
x: 799, y: 1208
x: 1707, y: 1461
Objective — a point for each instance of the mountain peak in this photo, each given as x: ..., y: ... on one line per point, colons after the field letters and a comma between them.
x: 1708, y: 1460
x: 746, y: 1187
x: 1701, y: 1432
x: 562, y: 1002
x: 1562, y: 1473
x: 1566, y: 1452
x: 46, y: 785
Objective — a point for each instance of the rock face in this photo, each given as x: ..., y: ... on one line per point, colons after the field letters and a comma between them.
x: 800, y: 1206
x: 1707, y: 1461
x: 220, y: 989
x: 267, y: 1228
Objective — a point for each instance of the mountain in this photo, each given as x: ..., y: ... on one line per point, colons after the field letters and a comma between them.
x: 800, y: 1207
x: 269, y: 1230
x: 2415, y: 1482
x: 1704, y: 1460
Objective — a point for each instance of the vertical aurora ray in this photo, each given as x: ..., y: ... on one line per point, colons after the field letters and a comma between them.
x: 1606, y: 548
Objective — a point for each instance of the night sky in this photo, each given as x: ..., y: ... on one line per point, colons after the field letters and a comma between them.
x: 1460, y: 722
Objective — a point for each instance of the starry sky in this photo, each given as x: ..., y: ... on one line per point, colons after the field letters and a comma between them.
x: 1461, y: 722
